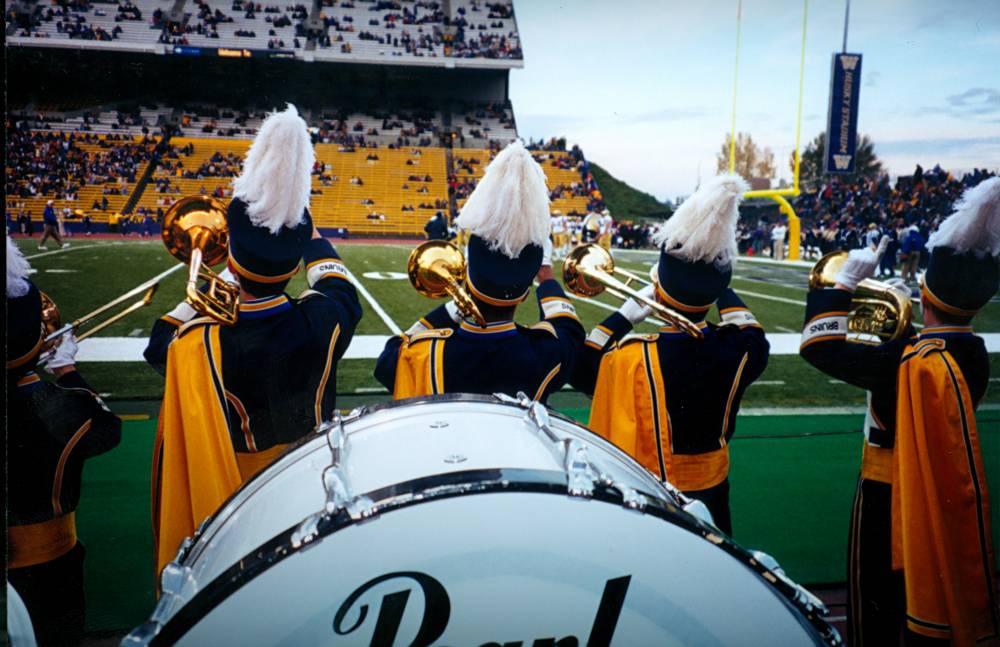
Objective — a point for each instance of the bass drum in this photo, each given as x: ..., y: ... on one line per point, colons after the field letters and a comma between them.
x: 468, y: 520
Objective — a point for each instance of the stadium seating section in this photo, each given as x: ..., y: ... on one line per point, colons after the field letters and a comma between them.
x: 87, y: 194
x: 352, y: 30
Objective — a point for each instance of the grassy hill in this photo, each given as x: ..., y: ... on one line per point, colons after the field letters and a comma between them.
x: 625, y: 201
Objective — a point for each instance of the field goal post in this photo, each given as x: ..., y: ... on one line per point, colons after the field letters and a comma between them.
x: 778, y: 195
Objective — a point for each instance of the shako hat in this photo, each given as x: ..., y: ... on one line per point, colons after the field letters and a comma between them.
x: 268, y: 217
x: 698, y: 246
x: 963, y: 273
x: 508, y: 219
x: 24, y: 314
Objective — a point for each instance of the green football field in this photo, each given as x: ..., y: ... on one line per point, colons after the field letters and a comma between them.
x: 794, y: 458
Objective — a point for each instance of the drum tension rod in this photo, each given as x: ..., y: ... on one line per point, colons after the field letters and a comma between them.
x: 583, y: 474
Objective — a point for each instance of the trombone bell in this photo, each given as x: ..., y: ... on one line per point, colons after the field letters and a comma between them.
x: 878, y: 310
x: 195, y: 232
x: 437, y: 269
x: 590, y: 270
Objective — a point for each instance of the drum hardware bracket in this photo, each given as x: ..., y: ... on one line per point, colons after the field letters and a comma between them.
x: 582, y: 473
x: 803, y: 596
x: 335, y: 484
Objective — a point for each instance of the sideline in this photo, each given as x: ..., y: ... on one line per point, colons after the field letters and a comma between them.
x: 129, y: 349
x: 383, y: 315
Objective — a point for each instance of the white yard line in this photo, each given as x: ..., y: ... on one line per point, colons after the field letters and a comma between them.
x: 59, y: 251
x: 129, y: 349
x: 396, y: 330
x: 769, y: 383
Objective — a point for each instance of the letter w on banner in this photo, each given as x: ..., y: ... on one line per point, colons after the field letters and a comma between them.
x: 842, y: 115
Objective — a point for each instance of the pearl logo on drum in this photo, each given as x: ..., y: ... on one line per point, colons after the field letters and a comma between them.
x: 437, y: 614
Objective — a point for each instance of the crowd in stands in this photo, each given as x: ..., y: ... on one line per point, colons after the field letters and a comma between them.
x: 54, y: 164
x: 847, y: 215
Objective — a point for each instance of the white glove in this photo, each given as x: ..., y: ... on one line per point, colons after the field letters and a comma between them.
x: 547, y: 253
x: 227, y: 276
x: 183, y: 312
x: 453, y: 312
x: 64, y: 354
x: 635, y: 311
x: 861, y: 264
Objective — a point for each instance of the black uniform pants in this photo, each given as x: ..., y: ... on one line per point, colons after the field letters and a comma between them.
x: 717, y: 500
x: 53, y: 593
x: 876, y: 598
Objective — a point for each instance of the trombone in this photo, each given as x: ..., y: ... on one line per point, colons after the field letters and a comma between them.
x: 437, y: 269
x: 877, y: 309
x: 590, y: 270
x: 54, y: 329
x: 196, y: 234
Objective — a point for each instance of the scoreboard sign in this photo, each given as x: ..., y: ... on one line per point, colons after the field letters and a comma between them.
x: 842, y: 117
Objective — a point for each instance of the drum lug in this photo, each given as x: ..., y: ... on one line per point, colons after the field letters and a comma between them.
x: 802, y: 595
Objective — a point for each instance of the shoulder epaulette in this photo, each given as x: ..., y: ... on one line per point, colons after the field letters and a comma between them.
x: 433, y: 333
x: 546, y: 326
x: 194, y: 323
x: 629, y: 339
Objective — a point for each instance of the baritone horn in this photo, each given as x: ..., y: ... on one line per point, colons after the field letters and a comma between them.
x: 437, y: 269
x: 590, y: 270
x: 195, y: 232
x: 877, y: 308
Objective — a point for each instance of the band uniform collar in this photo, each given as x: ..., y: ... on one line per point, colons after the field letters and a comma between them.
x: 495, y: 329
x: 944, y: 331
x: 672, y: 329
x: 266, y: 307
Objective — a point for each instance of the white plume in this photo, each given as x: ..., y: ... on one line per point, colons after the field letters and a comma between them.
x: 509, y: 208
x: 704, y: 227
x: 975, y: 224
x: 276, y: 179
x: 18, y: 269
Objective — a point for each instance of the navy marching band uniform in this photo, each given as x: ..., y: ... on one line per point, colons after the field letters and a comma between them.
x: 920, y: 563
x: 505, y: 357
x: 697, y: 382
x: 52, y: 429
x: 507, y: 217
x: 669, y: 399
x: 279, y: 359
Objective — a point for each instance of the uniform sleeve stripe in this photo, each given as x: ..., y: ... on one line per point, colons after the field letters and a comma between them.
x: 739, y: 316
x: 829, y: 326
x: 816, y: 340
x: 326, y: 269
x: 831, y: 313
x: 599, y: 337
x: 558, y: 308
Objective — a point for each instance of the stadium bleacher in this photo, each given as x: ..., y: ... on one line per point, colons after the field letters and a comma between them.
x: 477, y: 33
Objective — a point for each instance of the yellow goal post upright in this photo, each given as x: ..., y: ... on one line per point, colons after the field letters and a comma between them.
x: 778, y: 195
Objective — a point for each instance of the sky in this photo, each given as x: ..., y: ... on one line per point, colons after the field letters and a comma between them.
x: 645, y: 87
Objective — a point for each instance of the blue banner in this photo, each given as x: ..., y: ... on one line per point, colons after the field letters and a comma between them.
x: 842, y: 117
x: 185, y: 50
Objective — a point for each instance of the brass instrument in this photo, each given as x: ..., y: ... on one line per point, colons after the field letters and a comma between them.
x: 590, y: 270
x: 195, y: 232
x: 877, y: 309
x: 53, y: 329
x: 437, y: 269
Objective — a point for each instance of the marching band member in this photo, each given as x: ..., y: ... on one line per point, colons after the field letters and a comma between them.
x: 605, y: 226
x: 560, y: 236
x: 920, y: 553
x: 244, y: 392
x: 508, y: 219
x: 668, y: 399
x: 52, y: 428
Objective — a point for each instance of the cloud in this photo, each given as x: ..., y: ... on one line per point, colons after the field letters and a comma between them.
x: 975, y: 104
x: 976, y: 101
